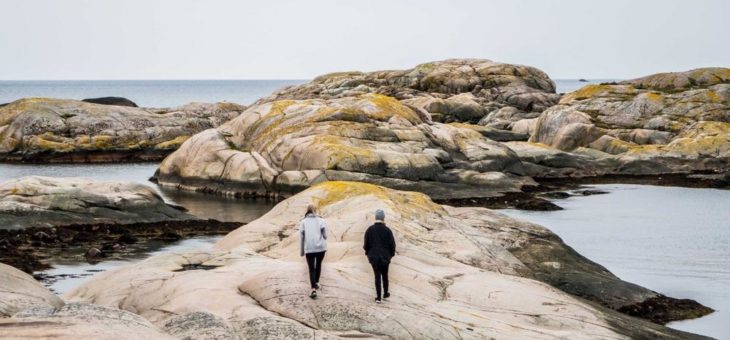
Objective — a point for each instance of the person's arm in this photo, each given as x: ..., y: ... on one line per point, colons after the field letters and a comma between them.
x: 323, y: 228
x: 367, y: 245
x: 391, y: 240
x: 301, y: 238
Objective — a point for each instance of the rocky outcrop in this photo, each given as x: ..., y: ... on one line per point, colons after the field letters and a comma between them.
x: 669, y: 122
x: 285, y: 146
x: 37, y: 201
x: 19, y: 291
x: 58, y: 130
x: 461, y: 90
x: 459, y: 273
x: 119, y: 101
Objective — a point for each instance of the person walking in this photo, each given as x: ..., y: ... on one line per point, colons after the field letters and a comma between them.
x: 313, y: 245
x: 380, y: 248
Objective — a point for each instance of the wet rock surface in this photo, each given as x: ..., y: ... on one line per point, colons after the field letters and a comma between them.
x: 104, y: 130
x: 445, y: 254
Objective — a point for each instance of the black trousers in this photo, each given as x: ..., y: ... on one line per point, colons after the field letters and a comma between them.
x: 314, y: 262
x: 380, y: 268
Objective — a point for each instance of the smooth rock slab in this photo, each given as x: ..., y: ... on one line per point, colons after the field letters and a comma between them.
x: 458, y: 274
x: 19, y: 291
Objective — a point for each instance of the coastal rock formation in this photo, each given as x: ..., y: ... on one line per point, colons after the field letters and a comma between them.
x: 667, y: 122
x: 462, y: 90
x: 19, y: 291
x: 288, y: 145
x: 458, y: 273
x: 59, y: 130
x: 37, y: 201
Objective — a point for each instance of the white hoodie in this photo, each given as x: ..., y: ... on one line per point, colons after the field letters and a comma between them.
x: 313, y: 235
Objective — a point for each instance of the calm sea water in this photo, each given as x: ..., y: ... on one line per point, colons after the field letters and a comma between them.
x: 675, y: 241
x: 170, y: 93
x: 147, y: 93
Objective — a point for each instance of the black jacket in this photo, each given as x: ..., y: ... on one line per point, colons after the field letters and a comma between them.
x: 379, y: 242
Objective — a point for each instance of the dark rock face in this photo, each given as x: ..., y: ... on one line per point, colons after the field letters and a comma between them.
x: 118, y: 101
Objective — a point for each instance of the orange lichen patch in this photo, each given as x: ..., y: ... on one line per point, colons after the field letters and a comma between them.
x: 102, y: 142
x: 385, y: 108
x: 654, y: 96
x: 343, y: 156
x: 406, y: 202
x: 45, y: 142
x: 172, y: 144
x: 703, y: 138
x: 595, y: 90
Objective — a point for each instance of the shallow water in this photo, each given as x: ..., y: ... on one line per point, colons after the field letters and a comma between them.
x: 675, y: 241
x: 73, y: 269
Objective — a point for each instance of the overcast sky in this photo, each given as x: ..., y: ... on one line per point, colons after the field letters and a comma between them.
x: 195, y: 39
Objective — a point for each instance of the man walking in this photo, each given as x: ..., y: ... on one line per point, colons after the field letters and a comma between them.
x: 380, y: 248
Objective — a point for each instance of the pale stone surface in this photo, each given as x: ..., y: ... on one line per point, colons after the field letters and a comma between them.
x: 78, y: 321
x: 287, y: 145
x: 19, y: 291
x: 463, y: 90
x: 459, y: 273
x: 45, y: 129
x: 37, y: 201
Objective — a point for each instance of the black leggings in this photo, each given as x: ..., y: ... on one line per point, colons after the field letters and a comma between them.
x: 314, y: 262
x: 380, y: 268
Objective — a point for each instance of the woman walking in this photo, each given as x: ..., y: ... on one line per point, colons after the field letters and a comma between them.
x: 313, y: 235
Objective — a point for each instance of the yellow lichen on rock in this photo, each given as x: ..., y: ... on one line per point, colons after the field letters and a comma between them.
x: 403, y: 201
x: 173, y: 143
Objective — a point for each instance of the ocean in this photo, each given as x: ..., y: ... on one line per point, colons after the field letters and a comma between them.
x: 170, y: 93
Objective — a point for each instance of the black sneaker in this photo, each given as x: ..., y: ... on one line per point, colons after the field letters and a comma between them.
x: 377, y: 300
x: 316, y: 285
x: 313, y: 295
x: 386, y: 295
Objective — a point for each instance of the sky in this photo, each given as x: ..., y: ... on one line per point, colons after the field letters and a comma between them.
x: 270, y: 39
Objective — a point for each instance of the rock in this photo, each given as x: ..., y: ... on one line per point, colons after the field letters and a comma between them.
x: 285, y: 146
x: 19, y: 291
x: 78, y: 321
x: 93, y: 253
x: 452, y: 90
x: 459, y: 273
x: 118, y: 101
x: 663, y: 123
x: 200, y: 325
x: 37, y: 201
x: 59, y: 130
x: 583, y: 80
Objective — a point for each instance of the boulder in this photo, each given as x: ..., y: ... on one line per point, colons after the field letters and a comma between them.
x: 59, y: 130
x: 462, y: 90
x: 284, y: 146
x: 458, y: 273
x: 118, y: 101
x: 19, y: 291
x: 37, y: 201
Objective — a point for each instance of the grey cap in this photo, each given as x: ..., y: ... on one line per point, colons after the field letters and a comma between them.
x: 379, y: 215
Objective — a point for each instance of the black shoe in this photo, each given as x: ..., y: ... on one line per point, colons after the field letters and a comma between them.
x: 313, y: 295
x: 377, y: 300
x: 386, y: 295
x: 316, y: 285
